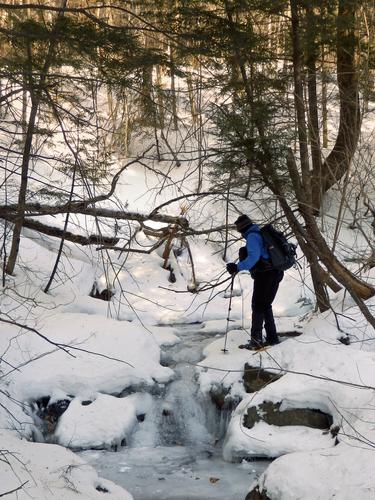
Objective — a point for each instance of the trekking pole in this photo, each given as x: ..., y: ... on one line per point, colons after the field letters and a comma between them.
x: 229, y: 310
x: 243, y: 308
x: 242, y: 305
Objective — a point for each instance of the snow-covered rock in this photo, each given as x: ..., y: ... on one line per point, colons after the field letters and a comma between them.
x: 96, y: 354
x: 344, y: 472
x: 104, y: 423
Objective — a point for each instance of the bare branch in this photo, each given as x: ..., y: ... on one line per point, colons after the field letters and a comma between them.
x: 13, y: 491
x: 63, y: 347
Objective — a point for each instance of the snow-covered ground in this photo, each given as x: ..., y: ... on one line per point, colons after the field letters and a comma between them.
x: 105, y: 360
x: 102, y: 350
x: 35, y: 470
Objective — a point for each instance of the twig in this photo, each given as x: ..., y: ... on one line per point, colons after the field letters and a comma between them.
x: 13, y: 491
x: 63, y: 347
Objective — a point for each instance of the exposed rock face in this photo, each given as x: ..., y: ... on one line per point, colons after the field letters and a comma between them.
x: 218, y: 394
x: 49, y: 413
x: 172, y: 276
x: 221, y: 398
x: 103, y: 294
x: 255, y: 494
x: 270, y: 413
x: 255, y: 378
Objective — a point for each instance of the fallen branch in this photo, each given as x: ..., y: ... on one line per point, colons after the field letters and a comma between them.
x: 92, y: 239
x: 36, y: 210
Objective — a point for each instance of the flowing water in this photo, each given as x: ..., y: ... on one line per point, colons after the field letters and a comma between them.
x: 175, y: 454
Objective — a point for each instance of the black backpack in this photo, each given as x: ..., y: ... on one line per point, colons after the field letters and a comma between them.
x: 282, y: 253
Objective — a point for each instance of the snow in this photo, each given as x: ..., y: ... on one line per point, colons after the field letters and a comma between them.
x: 103, y: 423
x: 134, y: 336
x: 105, y: 355
x: 319, y: 372
x: 270, y: 441
x: 345, y: 472
x: 114, y: 361
x: 48, y: 471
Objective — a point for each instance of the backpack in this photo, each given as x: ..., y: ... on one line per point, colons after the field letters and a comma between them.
x: 282, y: 253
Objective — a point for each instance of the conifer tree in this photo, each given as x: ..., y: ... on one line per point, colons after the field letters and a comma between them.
x: 254, y: 122
x: 56, y: 56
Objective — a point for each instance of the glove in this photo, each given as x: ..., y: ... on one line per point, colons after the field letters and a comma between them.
x: 232, y: 268
x: 242, y: 253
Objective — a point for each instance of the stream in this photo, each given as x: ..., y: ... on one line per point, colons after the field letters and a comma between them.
x: 177, y: 454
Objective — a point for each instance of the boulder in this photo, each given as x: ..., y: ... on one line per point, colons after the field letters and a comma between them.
x: 49, y: 413
x: 222, y: 399
x: 101, y: 293
x: 86, y: 402
x: 57, y: 408
x: 218, y: 394
x: 271, y: 414
x: 256, y: 378
x: 255, y: 494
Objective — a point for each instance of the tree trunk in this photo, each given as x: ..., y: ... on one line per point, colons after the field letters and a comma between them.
x: 314, y: 243
x: 339, y: 159
x: 299, y: 103
x: 320, y: 289
x: 35, y: 101
x: 173, y: 90
x: 192, y: 100
x: 311, y: 240
x: 61, y: 246
x: 227, y: 220
x: 324, y: 77
x: 160, y: 108
x: 199, y: 132
x: 23, y: 188
x: 313, y: 118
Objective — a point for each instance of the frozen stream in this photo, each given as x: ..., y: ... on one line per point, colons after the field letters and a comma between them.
x: 175, y: 454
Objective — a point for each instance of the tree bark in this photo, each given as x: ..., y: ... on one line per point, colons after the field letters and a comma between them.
x: 305, y: 184
x: 10, y: 213
x: 23, y: 189
x: 313, y: 118
x: 92, y: 239
x: 324, y: 78
x: 35, y: 101
x: 173, y: 89
x: 312, y: 241
x: 299, y: 103
x: 339, y: 159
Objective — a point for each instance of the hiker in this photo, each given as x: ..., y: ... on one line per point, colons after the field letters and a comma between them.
x: 255, y: 258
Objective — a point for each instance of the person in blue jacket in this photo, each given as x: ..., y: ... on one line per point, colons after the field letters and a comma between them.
x: 266, y: 282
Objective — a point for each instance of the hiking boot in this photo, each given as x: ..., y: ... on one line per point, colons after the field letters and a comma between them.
x: 253, y: 345
x: 271, y: 342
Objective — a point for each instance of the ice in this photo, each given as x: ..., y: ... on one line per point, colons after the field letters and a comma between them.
x: 176, y: 473
x: 176, y: 455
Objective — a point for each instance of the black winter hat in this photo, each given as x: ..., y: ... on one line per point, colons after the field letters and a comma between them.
x: 243, y: 223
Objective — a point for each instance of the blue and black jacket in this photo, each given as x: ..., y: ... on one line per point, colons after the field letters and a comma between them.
x: 257, y: 254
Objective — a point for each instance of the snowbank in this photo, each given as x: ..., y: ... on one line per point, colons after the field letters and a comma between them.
x: 318, y: 372
x: 44, y: 471
x: 105, y: 356
x: 345, y: 473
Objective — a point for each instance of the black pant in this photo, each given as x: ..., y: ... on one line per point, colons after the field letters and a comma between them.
x: 265, y: 288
